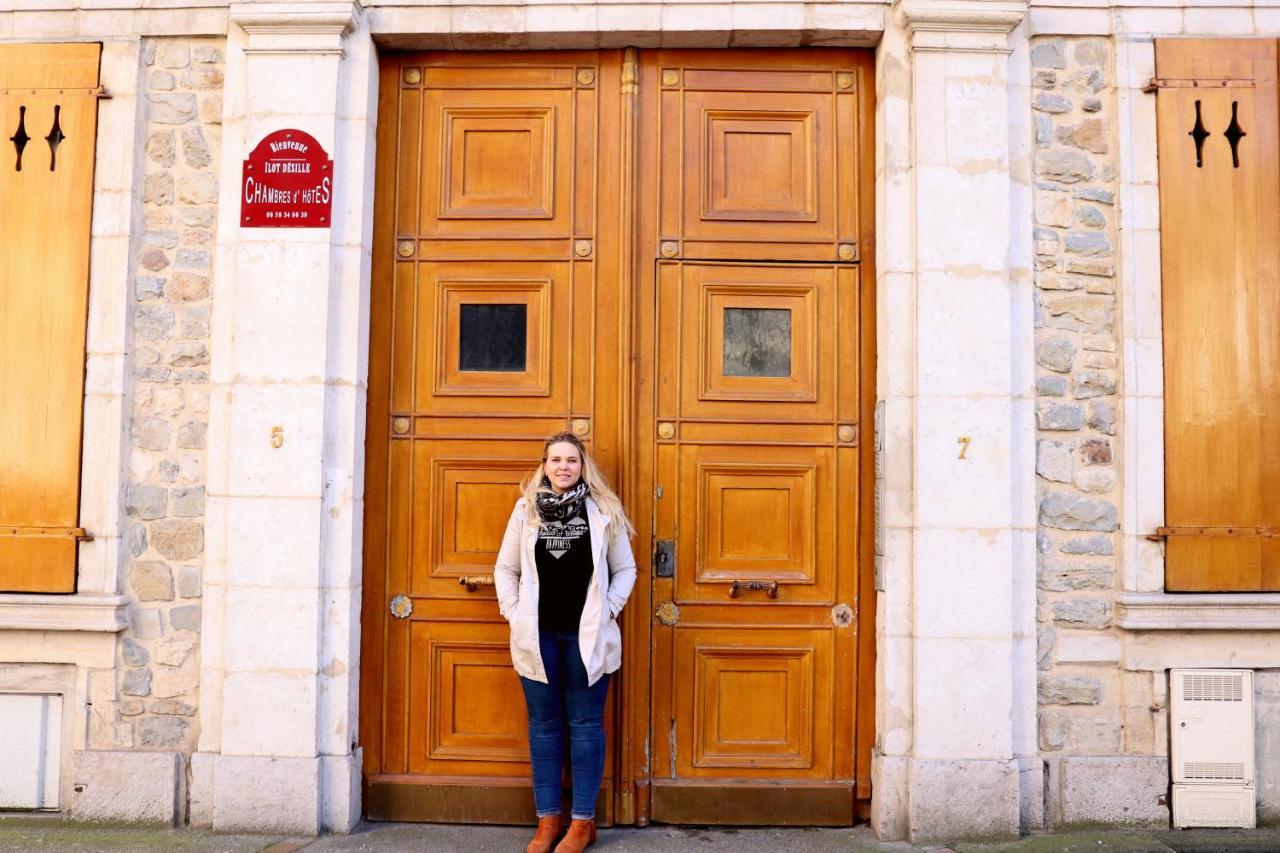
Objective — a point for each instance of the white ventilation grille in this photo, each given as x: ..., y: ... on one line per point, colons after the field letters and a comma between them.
x: 1213, y: 771
x: 1213, y: 687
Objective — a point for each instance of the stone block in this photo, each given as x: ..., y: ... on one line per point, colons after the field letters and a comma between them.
x: 1082, y: 613
x: 162, y: 732
x: 158, y: 188
x: 185, y: 618
x: 1102, y: 416
x: 136, y: 682
x: 1064, y: 165
x: 133, y: 654
x: 1057, y: 353
x: 171, y: 107
x: 152, y: 322
x: 1096, y: 451
x: 151, y: 580
x: 187, y: 287
x: 1116, y: 790
x: 1079, y: 312
x: 1088, y: 243
x: 1050, y: 54
x: 963, y: 799
x: 1266, y: 697
x: 258, y: 794
x: 172, y: 54
x: 1056, y: 576
x: 1055, y: 460
x: 1066, y: 511
x: 1059, y: 416
x: 1069, y: 690
x: 1096, y: 545
x: 1051, y: 386
x: 189, y: 585
x: 128, y: 787
x: 146, y: 624
x: 1092, y: 383
x: 1095, y: 480
x: 174, y: 652
x: 178, y: 540
x: 173, y: 681
x: 198, y: 188
x: 191, y: 435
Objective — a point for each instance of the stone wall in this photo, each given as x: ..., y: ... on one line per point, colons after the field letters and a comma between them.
x: 1088, y: 704
x: 158, y: 669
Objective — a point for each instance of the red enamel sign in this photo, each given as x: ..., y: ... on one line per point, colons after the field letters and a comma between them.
x: 287, y: 183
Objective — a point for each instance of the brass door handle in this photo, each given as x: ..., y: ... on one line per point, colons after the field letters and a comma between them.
x: 472, y: 582
x: 771, y: 587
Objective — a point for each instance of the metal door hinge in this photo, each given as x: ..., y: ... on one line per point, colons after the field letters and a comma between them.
x: 1155, y: 84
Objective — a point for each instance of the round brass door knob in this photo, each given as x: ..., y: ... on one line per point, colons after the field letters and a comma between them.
x: 412, y: 76
x: 846, y: 251
x: 670, y: 77
x: 586, y: 76
x: 846, y: 433
x: 844, y: 80
x: 400, y: 426
x: 582, y: 248
x: 669, y: 248
x: 666, y: 430
x: 581, y: 427
x: 405, y: 248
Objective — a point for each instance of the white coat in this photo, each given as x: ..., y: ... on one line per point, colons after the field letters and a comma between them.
x: 515, y: 578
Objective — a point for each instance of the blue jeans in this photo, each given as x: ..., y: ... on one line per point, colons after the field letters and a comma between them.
x: 565, y: 699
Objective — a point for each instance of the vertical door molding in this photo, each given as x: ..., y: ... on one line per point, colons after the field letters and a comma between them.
x: 959, y: 563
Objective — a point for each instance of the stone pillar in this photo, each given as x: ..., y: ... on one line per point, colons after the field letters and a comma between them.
x: 280, y: 671
x: 956, y: 719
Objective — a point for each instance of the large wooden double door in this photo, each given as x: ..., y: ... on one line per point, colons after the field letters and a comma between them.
x: 669, y: 253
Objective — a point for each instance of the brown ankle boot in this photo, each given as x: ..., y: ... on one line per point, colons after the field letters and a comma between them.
x: 548, y: 831
x: 581, y: 835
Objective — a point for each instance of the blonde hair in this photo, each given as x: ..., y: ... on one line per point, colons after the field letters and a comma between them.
x: 604, y: 497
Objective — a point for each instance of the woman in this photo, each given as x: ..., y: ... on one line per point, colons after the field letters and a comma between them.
x: 564, y: 572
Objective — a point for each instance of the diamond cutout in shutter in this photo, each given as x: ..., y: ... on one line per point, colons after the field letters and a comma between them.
x: 55, y: 138
x: 1234, y: 133
x: 20, y: 139
x: 1199, y: 134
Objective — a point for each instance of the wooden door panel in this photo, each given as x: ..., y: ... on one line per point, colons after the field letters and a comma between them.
x: 461, y: 499
x: 441, y: 325
x: 743, y: 148
x: 758, y: 343
x: 758, y: 711
x: 467, y: 715
x: 756, y: 518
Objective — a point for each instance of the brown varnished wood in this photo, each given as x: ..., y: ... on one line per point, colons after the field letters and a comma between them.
x: 490, y: 186
x: 45, y: 215
x: 618, y: 342
x: 746, y: 450
x: 1220, y: 257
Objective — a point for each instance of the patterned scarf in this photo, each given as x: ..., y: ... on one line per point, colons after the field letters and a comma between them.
x: 553, y: 507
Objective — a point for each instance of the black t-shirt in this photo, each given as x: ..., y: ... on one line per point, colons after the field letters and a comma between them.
x: 563, y: 557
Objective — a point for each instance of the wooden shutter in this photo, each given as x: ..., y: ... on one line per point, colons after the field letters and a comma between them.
x: 1220, y: 250
x: 49, y: 111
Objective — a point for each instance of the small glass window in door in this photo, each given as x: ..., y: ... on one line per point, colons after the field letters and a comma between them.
x: 757, y: 342
x: 492, y: 337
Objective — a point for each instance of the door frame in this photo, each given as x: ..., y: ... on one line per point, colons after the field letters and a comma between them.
x: 636, y: 480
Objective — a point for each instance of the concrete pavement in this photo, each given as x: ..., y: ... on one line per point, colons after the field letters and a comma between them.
x: 27, y: 833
